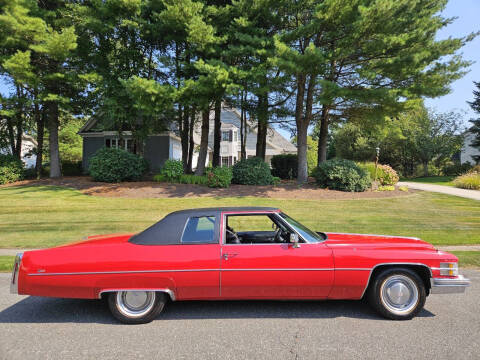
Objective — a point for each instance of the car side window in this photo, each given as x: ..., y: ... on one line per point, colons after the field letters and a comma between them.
x: 199, y: 230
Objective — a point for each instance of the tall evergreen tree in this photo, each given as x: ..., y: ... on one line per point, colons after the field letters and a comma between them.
x: 475, y: 129
x: 351, y: 52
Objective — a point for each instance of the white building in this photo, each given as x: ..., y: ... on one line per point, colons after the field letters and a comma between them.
x: 29, y: 144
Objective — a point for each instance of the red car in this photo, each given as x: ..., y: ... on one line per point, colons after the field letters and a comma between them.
x: 239, y: 253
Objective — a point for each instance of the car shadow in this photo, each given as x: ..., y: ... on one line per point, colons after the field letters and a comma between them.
x: 53, y: 310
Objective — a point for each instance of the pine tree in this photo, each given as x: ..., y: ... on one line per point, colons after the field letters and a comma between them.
x: 346, y: 53
x: 475, y: 129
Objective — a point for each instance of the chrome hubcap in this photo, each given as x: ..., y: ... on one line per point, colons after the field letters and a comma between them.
x: 399, y: 294
x: 135, y: 303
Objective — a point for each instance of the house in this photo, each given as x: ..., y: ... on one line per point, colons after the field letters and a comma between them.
x: 468, y: 151
x: 27, y: 155
x: 167, y: 145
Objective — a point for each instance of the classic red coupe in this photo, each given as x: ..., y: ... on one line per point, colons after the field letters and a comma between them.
x: 238, y: 253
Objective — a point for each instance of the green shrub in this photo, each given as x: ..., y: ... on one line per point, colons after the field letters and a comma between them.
x: 469, y: 181
x: 172, y: 169
x: 285, y: 166
x: 115, y: 165
x: 72, y: 168
x: 30, y: 173
x: 456, y: 169
x: 252, y: 171
x: 11, y: 169
x: 403, y: 188
x: 219, y: 177
x: 385, y: 174
x: 183, y: 179
x: 344, y: 175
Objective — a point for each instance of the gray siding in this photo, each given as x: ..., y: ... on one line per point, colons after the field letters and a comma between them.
x: 90, y: 147
x: 157, y: 150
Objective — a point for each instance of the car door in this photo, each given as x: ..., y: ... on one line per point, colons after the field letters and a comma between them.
x: 275, y: 270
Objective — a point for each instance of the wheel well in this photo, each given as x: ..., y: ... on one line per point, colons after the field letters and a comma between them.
x: 169, y: 293
x: 421, y: 270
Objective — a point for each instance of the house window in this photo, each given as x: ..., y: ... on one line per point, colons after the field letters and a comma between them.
x: 125, y: 144
x: 227, y: 136
x: 226, y: 161
x: 235, y: 138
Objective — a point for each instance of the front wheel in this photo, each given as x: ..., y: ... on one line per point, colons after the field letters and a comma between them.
x: 397, y: 294
x: 136, y: 307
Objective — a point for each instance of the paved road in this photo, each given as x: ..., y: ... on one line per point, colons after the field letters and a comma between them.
x: 44, y: 328
x: 449, y: 190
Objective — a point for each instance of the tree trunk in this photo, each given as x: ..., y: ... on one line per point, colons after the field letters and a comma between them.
x: 55, y: 170
x: 243, y: 128
x: 323, y: 136
x: 191, y: 142
x: 185, y: 138
x: 202, y: 156
x: 19, y: 123
x: 11, y: 136
x: 425, y: 168
x: 262, y: 126
x: 217, y: 133
x: 40, y: 122
x: 301, y: 131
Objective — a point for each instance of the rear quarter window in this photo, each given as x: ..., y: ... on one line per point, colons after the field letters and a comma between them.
x: 199, y: 230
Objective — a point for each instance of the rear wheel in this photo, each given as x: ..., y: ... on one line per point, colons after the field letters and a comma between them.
x: 397, y: 294
x: 136, y: 307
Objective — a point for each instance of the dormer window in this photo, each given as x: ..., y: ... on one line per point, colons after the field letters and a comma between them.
x: 227, y: 135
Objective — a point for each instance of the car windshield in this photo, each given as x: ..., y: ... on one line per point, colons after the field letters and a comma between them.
x: 306, y: 233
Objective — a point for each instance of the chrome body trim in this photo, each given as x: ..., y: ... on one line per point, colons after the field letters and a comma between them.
x: 393, y: 263
x: 191, y: 270
x: 121, y: 272
x: 166, y: 291
x: 449, y: 285
x: 15, y: 271
x: 283, y: 269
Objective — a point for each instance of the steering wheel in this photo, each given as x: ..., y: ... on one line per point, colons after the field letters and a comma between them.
x: 233, y: 234
x: 279, y: 236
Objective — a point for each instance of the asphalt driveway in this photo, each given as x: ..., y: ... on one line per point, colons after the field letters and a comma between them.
x: 45, y: 328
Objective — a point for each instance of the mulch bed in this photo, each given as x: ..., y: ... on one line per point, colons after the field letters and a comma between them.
x: 151, y: 189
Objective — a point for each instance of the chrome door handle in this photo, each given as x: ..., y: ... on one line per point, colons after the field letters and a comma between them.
x: 225, y: 256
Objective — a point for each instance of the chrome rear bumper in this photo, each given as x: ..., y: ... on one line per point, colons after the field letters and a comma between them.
x: 15, y: 271
x: 449, y: 285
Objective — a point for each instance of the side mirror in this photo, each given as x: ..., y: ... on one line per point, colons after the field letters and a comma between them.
x: 294, y: 240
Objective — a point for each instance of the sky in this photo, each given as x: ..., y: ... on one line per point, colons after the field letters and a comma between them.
x: 468, y: 14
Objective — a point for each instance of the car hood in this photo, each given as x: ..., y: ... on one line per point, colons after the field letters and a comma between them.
x: 377, y: 241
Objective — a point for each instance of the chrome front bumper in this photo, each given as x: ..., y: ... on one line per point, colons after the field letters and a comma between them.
x: 15, y: 271
x: 449, y: 285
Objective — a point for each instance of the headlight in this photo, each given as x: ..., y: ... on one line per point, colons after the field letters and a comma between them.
x: 449, y: 268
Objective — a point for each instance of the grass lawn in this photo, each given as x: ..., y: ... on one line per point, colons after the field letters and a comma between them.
x: 436, y: 180
x: 6, y: 263
x: 45, y: 216
x: 468, y: 258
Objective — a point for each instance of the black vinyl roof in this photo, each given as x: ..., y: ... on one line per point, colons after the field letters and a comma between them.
x: 203, y: 211
x: 169, y: 230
